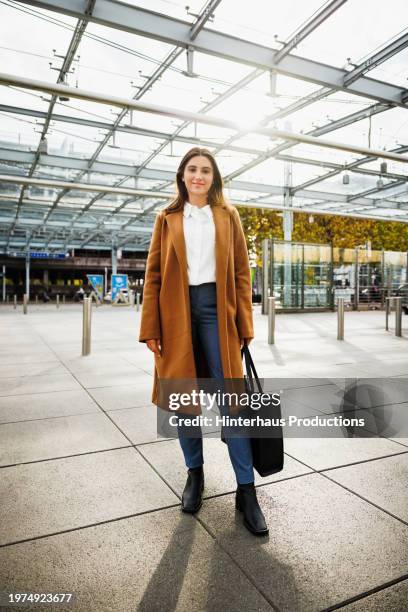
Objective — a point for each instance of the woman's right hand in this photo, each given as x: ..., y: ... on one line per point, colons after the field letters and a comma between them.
x: 154, y: 345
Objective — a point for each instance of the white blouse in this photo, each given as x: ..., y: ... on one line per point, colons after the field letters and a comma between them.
x: 199, y: 235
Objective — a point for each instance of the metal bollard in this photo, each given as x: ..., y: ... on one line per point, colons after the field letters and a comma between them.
x: 265, y: 272
x: 132, y: 298
x: 57, y: 303
x: 271, y: 320
x: 398, y: 316
x: 63, y: 299
x: 36, y: 299
x: 340, y: 319
x: 137, y: 302
x: 25, y: 302
x: 86, y: 326
x: 387, y: 311
x: 15, y: 301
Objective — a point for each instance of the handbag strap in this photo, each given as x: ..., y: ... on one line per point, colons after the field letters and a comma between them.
x: 250, y: 367
x: 248, y: 377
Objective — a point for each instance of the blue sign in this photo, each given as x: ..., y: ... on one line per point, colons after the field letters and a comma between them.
x: 96, y: 281
x: 46, y: 255
x: 38, y: 255
x: 119, y: 282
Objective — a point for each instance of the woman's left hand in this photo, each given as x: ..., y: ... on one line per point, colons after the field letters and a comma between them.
x: 246, y: 341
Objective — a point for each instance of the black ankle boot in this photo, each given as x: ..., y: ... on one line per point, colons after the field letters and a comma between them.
x: 247, y: 502
x: 192, y: 497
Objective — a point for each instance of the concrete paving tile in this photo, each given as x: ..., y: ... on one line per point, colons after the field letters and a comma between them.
x: 292, y: 408
x: 96, y: 363
x: 23, y: 341
x: 327, y: 370
x: 280, y: 372
x: 323, y: 544
x: 328, y: 397
x: 294, y: 383
x: 68, y: 351
x: 382, y: 481
x: 48, y: 438
x: 110, y: 378
x: 45, y: 405
x: 391, y: 599
x: 34, y: 355
x: 125, y: 396
x: 385, y: 368
x: 343, y: 394
x: 84, y: 490
x: 139, y: 355
x: 167, y: 458
x: 324, y: 453
x: 41, y: 368
x: 139, y: 424
x: 37, y: 384
x: 150, y: 563
x: 387, y: 421
x: 402, y: 441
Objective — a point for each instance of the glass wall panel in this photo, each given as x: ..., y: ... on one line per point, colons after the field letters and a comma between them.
x: 301, y: 275
x: 370, y: 278
x: 306, y: 275
x: 395, y: 270
x: 344, y: 275
x: 317, y: 268
x: 287, y: 264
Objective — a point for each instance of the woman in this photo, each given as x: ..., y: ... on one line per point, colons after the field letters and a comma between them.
x: 197, y: 310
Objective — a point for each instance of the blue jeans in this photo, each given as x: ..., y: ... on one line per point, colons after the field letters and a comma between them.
x: 204, y: 324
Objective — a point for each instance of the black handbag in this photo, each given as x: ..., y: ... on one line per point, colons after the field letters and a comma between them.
x: 267, y: 452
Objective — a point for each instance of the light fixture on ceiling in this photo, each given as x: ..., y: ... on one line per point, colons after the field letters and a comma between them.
x: 383, y: 167
x: 64, y: 98
x: 346, y: 179
x: 380, y: 183
x: 190, y: 63
x: 272, y: 84
x: 43, y: 146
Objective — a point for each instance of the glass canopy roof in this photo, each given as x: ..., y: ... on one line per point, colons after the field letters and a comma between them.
x: 335, y: 71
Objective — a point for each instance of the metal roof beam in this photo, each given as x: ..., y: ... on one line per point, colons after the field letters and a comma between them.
x: 63, y: 71
x: 353, y: 167
x: 34, y: 84
x: 29, y: 180
x: 161, y: 27
x: 128, y: 129
x: 122, y: 169
x: 368, y: 192
x: 311, y: 25
x: 160, y: 195
x: 172, y: 56
x: 324, y: 129
x: 375, y: 60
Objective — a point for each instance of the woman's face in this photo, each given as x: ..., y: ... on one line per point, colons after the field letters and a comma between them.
x: 198, y: 175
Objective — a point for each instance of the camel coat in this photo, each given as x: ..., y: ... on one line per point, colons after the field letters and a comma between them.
x: 166, y: 301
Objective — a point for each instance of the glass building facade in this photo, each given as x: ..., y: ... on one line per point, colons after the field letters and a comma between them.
x: 308, y: 276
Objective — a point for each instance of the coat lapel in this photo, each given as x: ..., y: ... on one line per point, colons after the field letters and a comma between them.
x: 175, y: 224
x: 222, y: 241
x: 222, y: 244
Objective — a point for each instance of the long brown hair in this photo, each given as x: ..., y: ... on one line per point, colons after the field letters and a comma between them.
x: 215, y: 194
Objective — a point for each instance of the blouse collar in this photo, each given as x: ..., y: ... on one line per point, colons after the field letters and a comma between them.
x: 190, y: 209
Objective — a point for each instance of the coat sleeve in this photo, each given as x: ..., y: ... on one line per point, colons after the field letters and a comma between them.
x: 243, y: 285
x: 150, y: 320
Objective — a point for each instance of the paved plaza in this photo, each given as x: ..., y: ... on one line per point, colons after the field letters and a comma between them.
x: 91, y: 496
